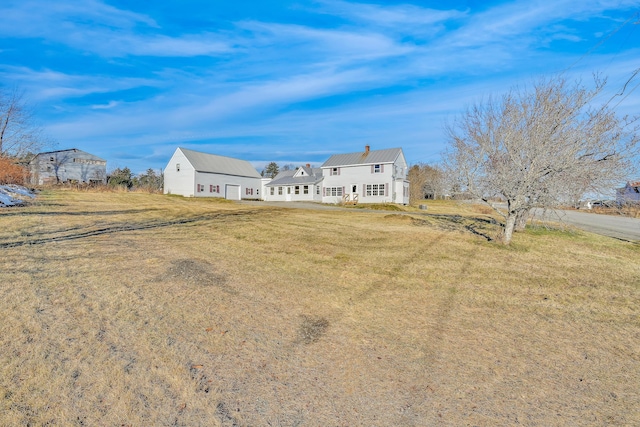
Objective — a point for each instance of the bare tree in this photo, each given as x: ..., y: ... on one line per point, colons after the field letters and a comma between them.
x: 427, y: 182
x: 539, y: 147
x: 19, y: 133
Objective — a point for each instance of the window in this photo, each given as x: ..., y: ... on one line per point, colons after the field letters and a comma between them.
x: 375, y: 189
x: 334, y: 171
x: 377, y: 169
x: 177, y: 167
x: 272, y: 190
x: 333, y: 191
x: 297, y: 189
x: 280, y: 191
x: 288, y: 190
x: 305, y: 189
x: 200, y: 188
x: 51, y: 159
x: 317, y: 189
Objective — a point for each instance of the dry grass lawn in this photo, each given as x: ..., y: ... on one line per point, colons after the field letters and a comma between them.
x: 139, y: 310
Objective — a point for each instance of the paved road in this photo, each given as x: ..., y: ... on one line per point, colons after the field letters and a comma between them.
x: 619, y: 227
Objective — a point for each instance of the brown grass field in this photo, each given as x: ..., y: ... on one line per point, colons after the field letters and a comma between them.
x: 148, y: 310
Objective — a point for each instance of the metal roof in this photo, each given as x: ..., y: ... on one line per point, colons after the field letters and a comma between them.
x: 287, y: 177
x: 203, y: 162
x: 69, y: 150
x: 388, y: 155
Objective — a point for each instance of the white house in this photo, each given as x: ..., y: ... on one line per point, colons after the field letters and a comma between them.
x: 378, y: 176
x: 629, y: 193
x: 195, y: 174
x: 65, y: 166
x: 302, y: 184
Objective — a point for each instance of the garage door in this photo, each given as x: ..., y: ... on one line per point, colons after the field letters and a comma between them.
x: 232, y: 192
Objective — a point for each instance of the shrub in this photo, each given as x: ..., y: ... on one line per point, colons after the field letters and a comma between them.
x: 12, y: 173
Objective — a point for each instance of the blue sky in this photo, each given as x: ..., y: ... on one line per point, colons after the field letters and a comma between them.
x: 293, y: 81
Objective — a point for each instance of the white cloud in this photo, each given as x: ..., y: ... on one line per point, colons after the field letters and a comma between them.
x: 402, y: 15
x: 107, y: 106
x: 93, y: 26
x: 49, y: 85
x: 330, y: 44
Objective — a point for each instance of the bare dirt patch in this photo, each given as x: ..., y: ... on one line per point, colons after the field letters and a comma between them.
x: 312, y: 328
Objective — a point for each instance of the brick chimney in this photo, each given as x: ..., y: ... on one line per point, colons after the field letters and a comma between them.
x: 308, y: 165
x: 366, y: 148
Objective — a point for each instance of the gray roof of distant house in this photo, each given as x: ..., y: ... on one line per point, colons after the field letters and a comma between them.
x: 74, y: 150
x: 363, y: 158
x: 203, y: 162
x: 286, y: 177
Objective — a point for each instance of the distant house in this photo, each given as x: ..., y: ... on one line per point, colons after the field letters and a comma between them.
x: 629, y: 193
x: 302, y: 184
x: 67, y: 166
x: 194, y: 174
x: 371, y: 176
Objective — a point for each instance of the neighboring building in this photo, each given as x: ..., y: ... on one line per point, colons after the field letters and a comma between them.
x: 67, y: 166
x: 302, y: 184
x: 629, y: 193
x: 378, y: 176
x: 194, y: 174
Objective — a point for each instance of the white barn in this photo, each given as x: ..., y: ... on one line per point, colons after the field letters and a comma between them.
x: 302, y: 184
x: 194, y: 174
x: 378, y: 176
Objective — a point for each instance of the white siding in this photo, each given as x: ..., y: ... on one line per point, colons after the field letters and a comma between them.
x: 191, y: 183
x: 289, y: 193
x: 360, y: 176
x: 249, y: 187
x: 181, y: 181
x: 389, y: 180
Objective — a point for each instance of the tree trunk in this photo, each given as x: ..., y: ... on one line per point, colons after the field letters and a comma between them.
x: 509, y: 226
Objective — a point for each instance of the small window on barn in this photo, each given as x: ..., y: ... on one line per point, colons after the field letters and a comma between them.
x: 305, y: 189
x: 377, y: 169
x: 51, y: 159
x: 272, y: 190
x: 297, y: 189
x: 177, y: 167
x: 288, y: 190
x: 280, y: 191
